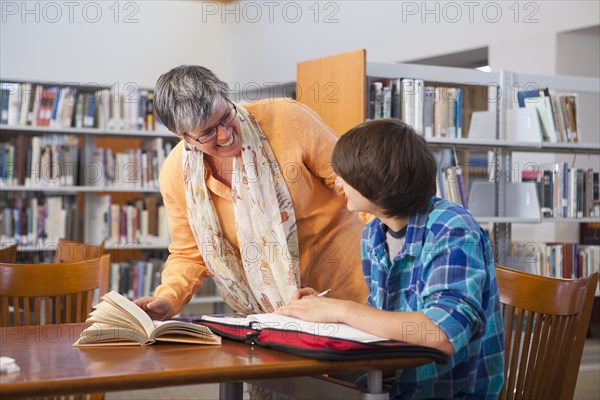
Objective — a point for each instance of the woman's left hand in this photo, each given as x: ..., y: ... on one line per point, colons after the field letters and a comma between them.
x: 315, y: 309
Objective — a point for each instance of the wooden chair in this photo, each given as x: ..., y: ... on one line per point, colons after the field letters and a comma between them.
x: 67, y: 290
x: 545, y: 325
x: 71, y: 251
x: 8, y: 254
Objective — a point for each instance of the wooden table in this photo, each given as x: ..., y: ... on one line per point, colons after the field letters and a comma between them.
x: 50, y: 365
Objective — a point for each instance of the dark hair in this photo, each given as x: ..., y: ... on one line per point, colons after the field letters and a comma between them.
x: 185, y: 97
x: 387, y: 162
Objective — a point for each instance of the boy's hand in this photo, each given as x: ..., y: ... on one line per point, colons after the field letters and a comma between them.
x: 155, y: 307
x: 313, y: 308
x: 300, y: 293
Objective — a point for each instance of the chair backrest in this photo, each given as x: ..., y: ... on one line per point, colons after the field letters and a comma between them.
x: 8, y: 254
x: 71, y: 251
x: 545, y: 325
x: 48, y: 293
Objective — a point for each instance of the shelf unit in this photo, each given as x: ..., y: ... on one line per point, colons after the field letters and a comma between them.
x: 348, y: 73
x: 88, y: 144
x: 89, y: 140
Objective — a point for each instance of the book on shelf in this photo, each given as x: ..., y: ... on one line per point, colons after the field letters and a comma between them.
x: 565, y: 192
x: 402, y: 98
x: 138, y: 278
x: 4, y: 101
x: 71, y: 106
x: 117, y: 321
x: 557, y: 114
x: 589, y: 233
x: 27, y: 219
x: 544, y: 112
x: 555, y: 259
x: 428, y: 105
x: 312, y: 339
x: 408, y: 97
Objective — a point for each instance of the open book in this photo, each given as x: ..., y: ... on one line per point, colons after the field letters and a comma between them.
x: 119, y: 321
x: 282, y: 322
x: 326, y: 341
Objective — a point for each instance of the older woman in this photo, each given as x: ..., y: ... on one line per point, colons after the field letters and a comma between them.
x: 250, y: 200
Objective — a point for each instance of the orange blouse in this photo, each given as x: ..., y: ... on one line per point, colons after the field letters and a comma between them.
x: 328, y: 234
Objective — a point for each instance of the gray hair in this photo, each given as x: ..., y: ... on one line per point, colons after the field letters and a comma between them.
x: 185, y: 97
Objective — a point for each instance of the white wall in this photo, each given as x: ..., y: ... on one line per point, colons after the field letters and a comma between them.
x: 87, y: 45
x: 261, y: 41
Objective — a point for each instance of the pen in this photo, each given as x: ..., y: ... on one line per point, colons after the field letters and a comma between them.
x: 324, y: 293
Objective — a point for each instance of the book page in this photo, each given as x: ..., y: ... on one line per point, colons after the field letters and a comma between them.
x: 179, y: 331
x: 229, y: 319
x: 100, y: 333
x: 277, y: 321
x: 129, y: 307
x: 340, y: 331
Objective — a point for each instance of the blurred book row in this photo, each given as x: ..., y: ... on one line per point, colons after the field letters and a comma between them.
x: 565, y: 192
x: 558, y: 260
x: 78, y: 106
x: 34, y: 220
x: 28, y: 219
x: 142, y: 221
x: 137, y: 278
x: 57, y: 160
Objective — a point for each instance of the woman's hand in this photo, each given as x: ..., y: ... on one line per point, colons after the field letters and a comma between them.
x: 315, y: 309
x: 307, y: 291
x: 155, y: 307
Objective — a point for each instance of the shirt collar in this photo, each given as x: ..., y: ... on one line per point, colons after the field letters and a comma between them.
x: 416, y: 230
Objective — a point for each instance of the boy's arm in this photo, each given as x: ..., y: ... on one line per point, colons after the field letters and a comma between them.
x: 410, y: 327
x: 456, y: 286
x: 455, y: 274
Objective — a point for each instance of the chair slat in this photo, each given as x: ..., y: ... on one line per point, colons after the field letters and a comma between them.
x: 17, y: 311
x: 36, y: 310
x: 47, y: 308
x: 525, y: 351
x: 26, y: 311
x: 508, y: 343
x: 68, y: 309
x: 539, y: 375
x: 5, y: 311
x: 516, y: 344
x: 57, y: 307
x: 81, y: 311
x: 533, y: 353
x: 89, y: 297
x: 557, y: 346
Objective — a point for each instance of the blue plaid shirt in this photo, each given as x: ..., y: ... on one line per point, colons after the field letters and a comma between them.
x: 445, y: 270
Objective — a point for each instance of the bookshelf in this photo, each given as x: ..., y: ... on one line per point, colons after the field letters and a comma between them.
x: 116, y: 125
x: 351, y: 73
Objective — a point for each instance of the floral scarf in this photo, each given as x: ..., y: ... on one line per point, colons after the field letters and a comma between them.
x: 265, y: 224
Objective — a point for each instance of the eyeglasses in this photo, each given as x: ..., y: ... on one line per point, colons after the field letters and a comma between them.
x: 210, y: 133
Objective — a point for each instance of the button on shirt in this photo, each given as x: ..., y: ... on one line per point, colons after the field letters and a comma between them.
x: 445, y: 270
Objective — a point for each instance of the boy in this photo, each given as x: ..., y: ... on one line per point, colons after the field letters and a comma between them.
x: 427, y: 263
